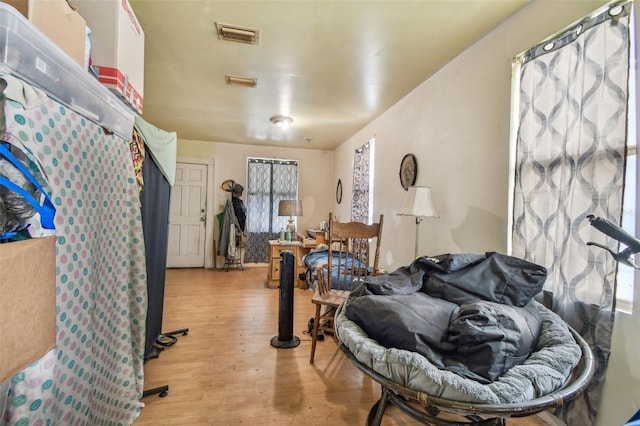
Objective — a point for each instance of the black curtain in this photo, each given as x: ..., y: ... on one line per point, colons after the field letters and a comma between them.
x: 155, y: 199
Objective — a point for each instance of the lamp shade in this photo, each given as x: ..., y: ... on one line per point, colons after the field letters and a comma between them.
x: 419, y: 203
x: 290, y: 208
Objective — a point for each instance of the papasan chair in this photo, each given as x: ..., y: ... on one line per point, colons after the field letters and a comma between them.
x: 521, y: 358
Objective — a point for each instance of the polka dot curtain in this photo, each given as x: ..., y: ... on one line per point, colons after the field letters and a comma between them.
x: 95, y: 374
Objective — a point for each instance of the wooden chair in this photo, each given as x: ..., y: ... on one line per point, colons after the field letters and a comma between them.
x: 354, y: 249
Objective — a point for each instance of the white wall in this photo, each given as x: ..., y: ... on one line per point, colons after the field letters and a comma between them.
x: 457, y: 125
x: 315, y: 188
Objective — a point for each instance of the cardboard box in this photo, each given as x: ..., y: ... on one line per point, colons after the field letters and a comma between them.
x: 117, y: 47
x: 58, y: 21
x: 27, y: 303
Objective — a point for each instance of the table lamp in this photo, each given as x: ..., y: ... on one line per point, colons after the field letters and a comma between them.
x: 290, y: 208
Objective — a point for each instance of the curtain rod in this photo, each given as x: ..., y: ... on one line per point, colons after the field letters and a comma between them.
x: 613, y: 10
x: 271, y: 161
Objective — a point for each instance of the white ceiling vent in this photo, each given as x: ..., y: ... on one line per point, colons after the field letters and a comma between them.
x: 236, y: 80
x: 238, y: 34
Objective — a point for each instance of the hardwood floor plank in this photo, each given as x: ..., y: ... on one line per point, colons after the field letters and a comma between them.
x: 225, y: 371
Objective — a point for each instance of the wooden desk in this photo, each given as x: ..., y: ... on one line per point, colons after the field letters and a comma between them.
x: 275, y: 248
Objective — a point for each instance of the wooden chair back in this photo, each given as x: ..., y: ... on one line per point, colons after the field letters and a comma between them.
x: 354, y: 251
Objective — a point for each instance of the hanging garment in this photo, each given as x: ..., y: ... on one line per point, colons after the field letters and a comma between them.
x: 227, y: 246
x: 162, y: 146
x: 240, y: 211
x: 21, y: 195
x: 136, y: 146
x: 19, y: 91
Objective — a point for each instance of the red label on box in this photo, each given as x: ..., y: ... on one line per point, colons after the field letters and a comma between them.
x: 115, y: 80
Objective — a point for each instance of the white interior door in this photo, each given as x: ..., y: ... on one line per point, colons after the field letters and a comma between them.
x: 187, y: 217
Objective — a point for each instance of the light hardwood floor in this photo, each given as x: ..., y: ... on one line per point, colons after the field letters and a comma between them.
x: 225, y: 372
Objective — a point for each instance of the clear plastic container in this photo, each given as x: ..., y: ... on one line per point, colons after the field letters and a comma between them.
x: 26, y: 53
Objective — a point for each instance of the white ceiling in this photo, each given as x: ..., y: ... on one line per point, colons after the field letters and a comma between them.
x: 333, y: 65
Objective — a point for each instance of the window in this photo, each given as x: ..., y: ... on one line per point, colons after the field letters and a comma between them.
x: 625, y: 279
x: 363, y: 172
x: 268, y: 182
x: 625, y: 290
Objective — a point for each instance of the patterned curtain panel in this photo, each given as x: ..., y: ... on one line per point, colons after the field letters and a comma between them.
x: 570, y: 159
x: 268, y: 182
x: 94, y: 376
x: 360, y: 203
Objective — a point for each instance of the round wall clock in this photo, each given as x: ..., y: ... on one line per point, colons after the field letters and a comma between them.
x: 408, y: 171
x: 339, y: 192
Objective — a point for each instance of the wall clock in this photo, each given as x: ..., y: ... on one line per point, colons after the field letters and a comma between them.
x: 339, y: 192
x: 408, y: 171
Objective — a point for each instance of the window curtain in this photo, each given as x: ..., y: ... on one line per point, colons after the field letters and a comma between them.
x: 569, y: 163
x: 268, y: 182
x: 360, y: 201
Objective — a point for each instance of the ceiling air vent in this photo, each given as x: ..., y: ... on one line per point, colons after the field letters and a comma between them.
x: 235, y: 80
x: 239, y: 34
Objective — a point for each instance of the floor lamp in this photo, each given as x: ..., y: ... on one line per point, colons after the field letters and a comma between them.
x: 420, y: 205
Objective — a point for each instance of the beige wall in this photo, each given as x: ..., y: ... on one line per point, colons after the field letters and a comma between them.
x: 457, y: 125
x: 315, y: 172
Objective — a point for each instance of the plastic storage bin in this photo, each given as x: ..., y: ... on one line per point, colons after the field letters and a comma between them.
x: 27, y: 53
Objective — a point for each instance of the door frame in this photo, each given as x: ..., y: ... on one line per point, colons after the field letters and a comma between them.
x: 209, y: 225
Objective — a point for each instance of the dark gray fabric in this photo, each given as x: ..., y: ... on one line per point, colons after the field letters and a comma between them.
x: 409, y: 279
x: 490, y: 338
x: 240, y: 211
x: 403, y: 280
x: 155, y: 203
x: 498, y: 278
x: 417, y: 322
x: 447, y: 262
x: 479, y: 341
